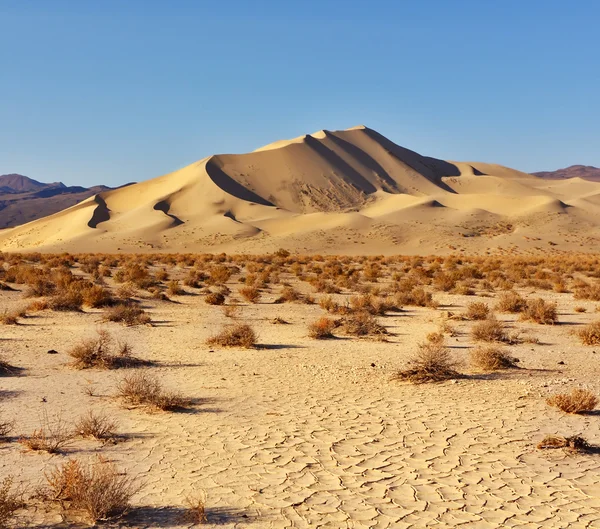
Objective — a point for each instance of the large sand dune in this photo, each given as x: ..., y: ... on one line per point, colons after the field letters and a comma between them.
x: 350, y: 191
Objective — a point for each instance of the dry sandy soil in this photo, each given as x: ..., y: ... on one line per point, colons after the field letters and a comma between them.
x: 332, y: 192
x: 299, y: 432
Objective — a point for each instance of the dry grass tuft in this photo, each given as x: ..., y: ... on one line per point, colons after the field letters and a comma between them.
x: 98, y: 352
x: 10, y: 501
x: 51, y: 436
x: 322, y: 328
x: 362, y: 324
x: 540, y: 311
x: 590, y: 334
x: 477, y: 310
x: 143, y: 389
x: 579, y: 400
x: 6, y: 369
x: 96, y: 425
x: 214, y: 298
x: 432, y: 363
x: 237, y: 335
x: 492, y: 358
x: 195, y: 509
x: 99, y: 490
x: 128, y: 314
x: 511, y: 302
x: 250, y: 294
x: 490, y: 330
x: 5, y: 428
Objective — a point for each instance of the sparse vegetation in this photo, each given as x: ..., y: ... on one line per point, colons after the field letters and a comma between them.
x: 322, y: 328
x: 51, y: 436
x: 96, y: 425
x: 577, y: 401
x: 590, y: 333
x: 196, y: 509
x: 142, y: 389
x: 574, y: 443
x: 102, y: 352
x: 490, y: 330
x: 511, y: 302
x: 237, y: 335
x: 477, y: 310
x: 11, y: 500
x: 540, y: 311
x: 128, y: 314
x: 432, y: 363
x: 491, y: 358
x: 98, y: 489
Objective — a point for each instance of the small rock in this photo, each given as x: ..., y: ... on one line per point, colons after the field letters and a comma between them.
x: 373, y: 364
x: 52, y: 352
x: 561, y: 363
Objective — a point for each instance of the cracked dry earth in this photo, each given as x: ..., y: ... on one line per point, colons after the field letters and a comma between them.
x: 312, y: 434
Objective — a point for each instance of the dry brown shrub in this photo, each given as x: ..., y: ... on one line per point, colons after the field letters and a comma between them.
x: 490, y: 330
x: 51, y: 436
x: 590, y: 333
x: 99, y: 490
x: 12, y: 318
x: 219, y: 274
x: 68, y: 301
x: 143, y: 389
x: 250, y: 294
x: 371, y: 304
x: 5, y: 428
x: 289, y: 295
x: 195, y: 509
x: 492, y: 358
x: 103, y: 352
x: 435, y: 337
x: 97, y: 296
x: 11, y: 500
x: 231, y: 311
x: 128, y: 314
x: 417, y: 297
x: 362, y: 324
x: 214, y: 298
x: 540, y: 311
x: 573, y: 443
x: 579, y: 400
x: 96, y: 425
x: 587, y: 291
x: 322, y: 328
x: 237, y: 335
x: 477, y: 310
x: 174, y: 289
x: 279, y: 321
x: 511, y: 302
x: 580, y: 309
x: 431, y: 363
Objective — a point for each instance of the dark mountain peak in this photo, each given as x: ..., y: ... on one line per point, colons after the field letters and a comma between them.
x: 18, y: 183
x: 588, y: 172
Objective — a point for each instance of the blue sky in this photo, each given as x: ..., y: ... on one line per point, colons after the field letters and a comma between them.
x: 112, y: 92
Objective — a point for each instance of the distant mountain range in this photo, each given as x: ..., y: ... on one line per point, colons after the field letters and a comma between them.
x: 23, y: 199
x: 588, y: 172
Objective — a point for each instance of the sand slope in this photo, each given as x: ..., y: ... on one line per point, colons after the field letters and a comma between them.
x: 351, y: 191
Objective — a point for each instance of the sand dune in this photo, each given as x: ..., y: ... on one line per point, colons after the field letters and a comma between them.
x: 351, y: 190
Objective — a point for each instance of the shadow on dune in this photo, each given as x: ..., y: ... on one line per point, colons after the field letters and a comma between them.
x: 101, y: 213
x: 164, y: 206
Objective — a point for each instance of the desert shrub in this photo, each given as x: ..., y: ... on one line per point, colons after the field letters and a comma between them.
x: 174, y: 289
x: 590, y: 333
x: 195, y: 509
x: 321, y: 285
x: 579, y: 400
x: 102, y: 352
x: 477, y: 310
x: 371, y: 304
x: 98, y: 489
x: 161, y: 275
x: 97, y: 296
x: 573, y: 443
x: 68, y: 301
x: 417, y: 297
x: 587, y: 291
x: 490, y: 330
x: 432, y: 363
x: 540, y: 311
x: 238, y: 335
x: 51, y: 436
x: 127, y: 314
x: 289, y: 295
x: 580, y: 309
x: 231, y: 311
x: 143, y: 389
x: 11, y: 500
x: 511, y: 302
x: 214, y: 298
x: 362, y: 324
x: 251, y: 294
x: 12, y: 318
x: 491, y: 358
x: 219, y: 274
x: 97, y: 425
x: 322, y: 328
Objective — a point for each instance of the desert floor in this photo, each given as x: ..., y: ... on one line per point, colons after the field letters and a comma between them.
x: 300, y: 432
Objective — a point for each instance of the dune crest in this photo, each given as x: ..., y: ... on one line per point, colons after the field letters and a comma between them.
x: 350, y: 191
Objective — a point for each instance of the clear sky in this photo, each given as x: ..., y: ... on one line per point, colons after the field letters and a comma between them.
x: 115, y: 91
